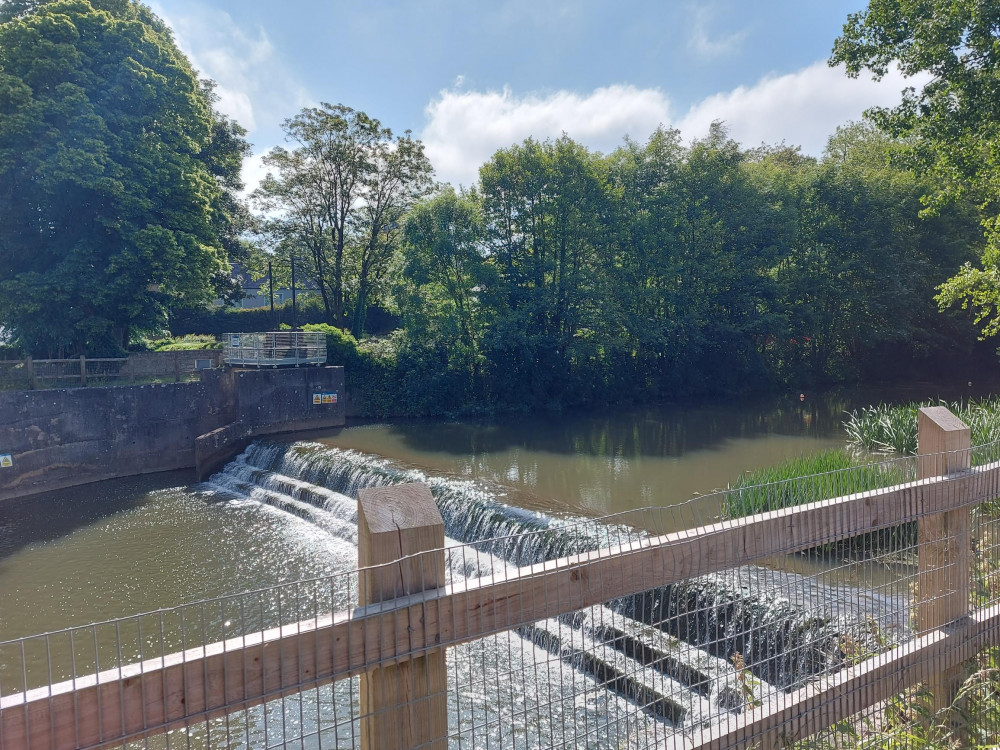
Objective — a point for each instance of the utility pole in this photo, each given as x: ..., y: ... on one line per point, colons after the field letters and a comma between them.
x: 270, y: 286
x: 295, y: 313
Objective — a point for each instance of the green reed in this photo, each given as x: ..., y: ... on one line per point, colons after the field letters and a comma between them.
x: 808, y: 479
x: 893, y: 429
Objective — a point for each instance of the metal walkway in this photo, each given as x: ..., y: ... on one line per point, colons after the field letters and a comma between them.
x: 274, y: 349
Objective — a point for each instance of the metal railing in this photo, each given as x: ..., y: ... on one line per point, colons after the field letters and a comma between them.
x: 274, y: 349
x: 649, y: 640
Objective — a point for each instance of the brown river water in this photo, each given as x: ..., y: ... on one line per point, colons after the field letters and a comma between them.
x: 127, y: 546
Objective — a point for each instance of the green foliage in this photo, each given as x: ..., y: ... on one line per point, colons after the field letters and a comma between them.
x: 884, y: 429
x: 181, y: 343
x: 117, y: 177
x: 665, y: 271
x: 893, y: 429
x: 948, y: 129
x: 809, y: 479
x: 217, y: 320
x: 339, y: 197
x: 341, y: 347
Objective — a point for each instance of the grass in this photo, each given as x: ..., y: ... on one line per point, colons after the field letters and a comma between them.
x: 875, y: 429
x: 184, y: 343
x: 893, y: 429
x: 807, y: 479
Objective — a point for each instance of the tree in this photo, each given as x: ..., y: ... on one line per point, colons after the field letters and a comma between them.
x: 949, y: 128
x: 544, y: 206
x: 118, y: 179
x: 444, y: 272
x: 340, y: 194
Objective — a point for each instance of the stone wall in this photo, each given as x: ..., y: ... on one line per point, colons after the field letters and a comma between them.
x: 64, y: 437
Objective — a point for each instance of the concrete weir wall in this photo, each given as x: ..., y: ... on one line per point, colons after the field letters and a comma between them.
x: 65, y: 437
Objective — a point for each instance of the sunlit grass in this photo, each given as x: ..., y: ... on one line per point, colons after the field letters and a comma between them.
x: 807, y: 479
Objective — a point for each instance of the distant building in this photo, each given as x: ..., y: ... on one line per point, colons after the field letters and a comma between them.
x: 257, y: 294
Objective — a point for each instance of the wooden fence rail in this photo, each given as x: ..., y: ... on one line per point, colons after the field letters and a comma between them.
x: 156, y: 695
x: 31, y: 373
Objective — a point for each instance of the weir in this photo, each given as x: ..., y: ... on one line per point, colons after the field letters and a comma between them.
x: 784, y: 631
x: 636, y: 639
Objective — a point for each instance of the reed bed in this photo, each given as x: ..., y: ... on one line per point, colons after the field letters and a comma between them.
x: 807, y: 479
x: 893, y: 429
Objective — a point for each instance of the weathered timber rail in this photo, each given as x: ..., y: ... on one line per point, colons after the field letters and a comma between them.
x: 83, y: 371
x: 157, y: 695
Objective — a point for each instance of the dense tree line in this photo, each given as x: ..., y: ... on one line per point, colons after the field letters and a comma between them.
x: 666, y: 270
x: 119, y: 179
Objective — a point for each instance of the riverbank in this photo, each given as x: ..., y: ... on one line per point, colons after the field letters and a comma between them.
x: 66, y: 437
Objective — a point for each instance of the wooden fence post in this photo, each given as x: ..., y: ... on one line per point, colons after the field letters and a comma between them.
x: 177, y: 367
x: 29, y: 366
x: 403, y: 705
x: 944, y: 551
x: 83, y: 371
x: 130, y: 365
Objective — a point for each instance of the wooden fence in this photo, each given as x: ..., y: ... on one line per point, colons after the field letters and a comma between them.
x: 401, y: 627
x: 30, y: 374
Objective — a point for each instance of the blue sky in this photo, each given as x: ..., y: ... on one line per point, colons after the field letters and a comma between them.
x: 470, y: 77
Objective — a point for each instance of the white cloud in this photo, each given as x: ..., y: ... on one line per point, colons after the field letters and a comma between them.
x: 464, y: 128
x: 802, y: 108
x: 250, y: 75
x: 254, y: 171
x: 703, y: 42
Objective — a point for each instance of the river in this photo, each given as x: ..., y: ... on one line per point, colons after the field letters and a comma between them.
x: 117, y: 548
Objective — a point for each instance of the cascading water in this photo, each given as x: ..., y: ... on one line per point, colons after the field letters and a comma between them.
x: 784, y: 639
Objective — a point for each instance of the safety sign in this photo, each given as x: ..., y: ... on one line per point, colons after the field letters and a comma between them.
x: 6, y: 461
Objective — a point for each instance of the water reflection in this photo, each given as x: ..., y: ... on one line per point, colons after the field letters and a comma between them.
x: 612, y: 461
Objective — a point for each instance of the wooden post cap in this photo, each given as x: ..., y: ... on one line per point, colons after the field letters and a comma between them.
x: 389, y: 510
x: 401, y: 521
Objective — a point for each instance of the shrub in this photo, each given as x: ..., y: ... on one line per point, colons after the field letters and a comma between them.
x: 181, y: 343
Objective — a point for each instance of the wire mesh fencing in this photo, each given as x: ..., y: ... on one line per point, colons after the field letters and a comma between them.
x: 858, y: 608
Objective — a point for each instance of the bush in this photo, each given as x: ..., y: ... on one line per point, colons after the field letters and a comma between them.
x: 219, y: 320
x: 341, y: 347
x: 190, y: 342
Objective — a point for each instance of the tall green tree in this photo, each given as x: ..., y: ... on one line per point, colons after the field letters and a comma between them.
x: 118, y: 179
x: 340, y: 194
x: 544, y: 208
x: 949, y: 127
x: 444, y: 273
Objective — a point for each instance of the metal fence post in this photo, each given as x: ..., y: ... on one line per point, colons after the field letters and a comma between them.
x: 944, y: 549
x: 29, y: 366
x: 83, y: 371
x: 403, y: 705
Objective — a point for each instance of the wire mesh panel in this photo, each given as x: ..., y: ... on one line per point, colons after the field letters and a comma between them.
x: 808, y: 623
x: 58, y: 373
x: 107, y: 371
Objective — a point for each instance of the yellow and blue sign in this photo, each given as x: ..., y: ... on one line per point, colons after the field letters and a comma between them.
x: 6, y: 461
x: 325, y: 398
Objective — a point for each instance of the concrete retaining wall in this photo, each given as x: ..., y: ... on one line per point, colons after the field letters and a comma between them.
x: 60, y: 438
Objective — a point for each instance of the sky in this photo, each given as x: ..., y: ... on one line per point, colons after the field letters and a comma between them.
x: 469, y: 77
